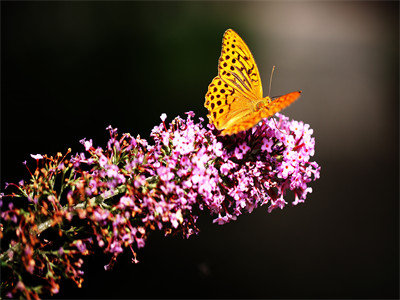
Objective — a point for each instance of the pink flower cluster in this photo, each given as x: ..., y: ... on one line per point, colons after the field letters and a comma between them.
x: 233, y: 174
x: 132, y: 187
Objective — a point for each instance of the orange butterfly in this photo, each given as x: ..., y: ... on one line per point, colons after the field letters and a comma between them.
x: 234, y: 98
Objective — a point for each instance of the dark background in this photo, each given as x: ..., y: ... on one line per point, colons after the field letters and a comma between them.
x: 70, y: 69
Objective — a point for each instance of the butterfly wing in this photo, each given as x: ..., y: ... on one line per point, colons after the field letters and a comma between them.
x: 224, y: 105
x: 242, y: 123
x: 246, y: 121
x: 238, y: 68
x: 232, y: 95
x: 279, y: 103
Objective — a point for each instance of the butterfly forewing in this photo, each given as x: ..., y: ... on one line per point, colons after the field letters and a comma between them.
x: 238, y: 68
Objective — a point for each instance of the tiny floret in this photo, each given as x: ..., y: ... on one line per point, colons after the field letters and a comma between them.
x: 37, y: 156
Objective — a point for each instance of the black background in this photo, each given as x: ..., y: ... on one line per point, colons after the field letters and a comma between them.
x: 70, y: 69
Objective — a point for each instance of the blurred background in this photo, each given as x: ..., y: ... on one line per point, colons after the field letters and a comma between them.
x: 70, y: 69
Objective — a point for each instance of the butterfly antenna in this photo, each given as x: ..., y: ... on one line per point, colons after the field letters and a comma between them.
x: 270, y: 80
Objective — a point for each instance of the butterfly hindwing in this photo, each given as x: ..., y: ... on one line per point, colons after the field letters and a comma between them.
x: 246, y: 122
x: 224, y: 105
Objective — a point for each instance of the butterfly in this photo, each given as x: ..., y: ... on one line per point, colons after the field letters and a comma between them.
x: 234, y: 98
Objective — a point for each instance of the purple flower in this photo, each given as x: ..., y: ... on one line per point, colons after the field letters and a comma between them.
x: 286, y: 169
x: 87, y: 144
x: 165, y: 173
x: 190, y: 113
x: 126, y: 201
x: 81, y: 246
x: 101, y: 214
x: 140, y: 242
x: 267, y: 144
x: 278, y: 203
x: 116, y: 247
x: 244, y: 148
x: 37, y: 156
x: 103, y: 161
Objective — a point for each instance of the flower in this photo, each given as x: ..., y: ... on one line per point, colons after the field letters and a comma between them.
x: 87, y: 144
x: 123, y: 191
x: 37, y: 156
x: 267, y: 144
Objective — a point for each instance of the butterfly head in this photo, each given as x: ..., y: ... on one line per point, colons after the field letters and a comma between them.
x: 262, y: 103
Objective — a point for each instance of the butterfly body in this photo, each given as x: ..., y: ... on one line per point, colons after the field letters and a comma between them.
x: 234, y: 98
